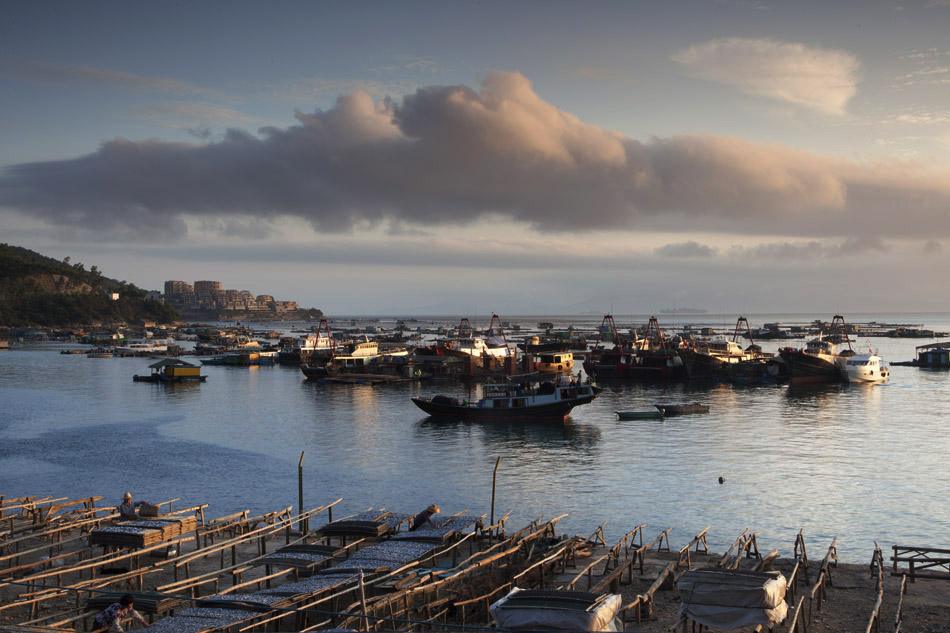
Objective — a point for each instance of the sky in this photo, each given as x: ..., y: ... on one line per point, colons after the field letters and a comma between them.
x: 463, y: 157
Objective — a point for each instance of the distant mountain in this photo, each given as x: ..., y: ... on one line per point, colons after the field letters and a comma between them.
x: 42, y: 291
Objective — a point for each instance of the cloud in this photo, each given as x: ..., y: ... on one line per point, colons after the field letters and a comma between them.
x: 55, y: 73
x: 685, y: 249
x: 453, y: 155
x: 194, y: 117
x: 809, y: 250
x: 817, y: 78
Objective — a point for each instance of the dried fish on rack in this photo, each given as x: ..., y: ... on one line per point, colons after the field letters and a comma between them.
x: 244, y: 601
x: 170, y: 528
x: 301, y: 556
x: 123, y: 536
x: 197, y: 620
x: 375, y: 523
x: 313, y: 585
x: 441, y: 531
x: 386, y: 555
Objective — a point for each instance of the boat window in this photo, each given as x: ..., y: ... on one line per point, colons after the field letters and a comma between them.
x: 517, y: 403
x: 501, y: 404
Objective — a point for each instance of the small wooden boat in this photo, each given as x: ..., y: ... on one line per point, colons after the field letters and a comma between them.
x: 671, y: 410
x: 640, y: 415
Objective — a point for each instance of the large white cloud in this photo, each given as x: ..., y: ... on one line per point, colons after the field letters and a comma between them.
x: 818, y: 78
x: 450, y: 154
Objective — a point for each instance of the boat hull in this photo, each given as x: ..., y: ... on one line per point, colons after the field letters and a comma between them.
x: 552, y: 411
x: 810, y: 369
x: 639, y: 415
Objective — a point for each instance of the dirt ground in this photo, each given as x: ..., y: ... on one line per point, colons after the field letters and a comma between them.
x: 847, y: 607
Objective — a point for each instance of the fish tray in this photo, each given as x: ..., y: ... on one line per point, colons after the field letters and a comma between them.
x: 243, y: 601
x: 169, y: 528
x: 123, y: 536
x: 326, y: 581
x: 295, y: 556
x: 375, y: 523
x: 198, y: 619
x: 441, y: 531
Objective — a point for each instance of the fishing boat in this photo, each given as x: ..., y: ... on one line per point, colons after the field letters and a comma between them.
x: 313, y: 348
x: 712, y: 357
x: 466, y: 343
x: 364, y: 358
x: 818, y: 362
x: 864, y: 368
x: 671, y: 410
x: 171, y: 370
x: 142, y: 347
x: 652, y: 357
x: 514, y: 400
x: 640, y: 415
x: 242, y: 359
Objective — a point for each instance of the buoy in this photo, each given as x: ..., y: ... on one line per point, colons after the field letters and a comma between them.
x: 722, y: 479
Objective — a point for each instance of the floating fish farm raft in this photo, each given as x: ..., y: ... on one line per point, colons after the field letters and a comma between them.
x: 64, y: 560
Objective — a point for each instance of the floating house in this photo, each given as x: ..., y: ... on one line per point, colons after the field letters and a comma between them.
x: 934, y: 355
x: 172, y: 370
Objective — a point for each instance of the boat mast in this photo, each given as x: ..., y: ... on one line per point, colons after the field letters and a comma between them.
x: 654, y: 327
x: 608, y: 320
x: 748, y: 330
x: 495, y: 329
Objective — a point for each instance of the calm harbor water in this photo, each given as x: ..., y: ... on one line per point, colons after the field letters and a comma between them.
x: 859, y: 462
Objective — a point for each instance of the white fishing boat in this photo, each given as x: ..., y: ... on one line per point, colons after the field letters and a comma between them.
x: 143, y: 347
x: 493, y: 343
x: 863, y: 368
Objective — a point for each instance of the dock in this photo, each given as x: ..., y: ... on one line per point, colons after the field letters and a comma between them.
x: 61, y: 562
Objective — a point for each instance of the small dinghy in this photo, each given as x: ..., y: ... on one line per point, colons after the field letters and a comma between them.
x: 670, y: 410
x: 639, y: 415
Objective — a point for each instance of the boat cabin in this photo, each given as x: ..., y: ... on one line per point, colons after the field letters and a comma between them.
x: 555, y: 363
x: 522, y: 395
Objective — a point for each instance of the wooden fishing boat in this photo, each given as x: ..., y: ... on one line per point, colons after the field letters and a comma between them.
x: 514, y: 401
x: 671, y: 410
x: 640, y: 415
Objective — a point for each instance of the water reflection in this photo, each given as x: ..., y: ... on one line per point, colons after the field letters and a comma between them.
x: 533, y: 435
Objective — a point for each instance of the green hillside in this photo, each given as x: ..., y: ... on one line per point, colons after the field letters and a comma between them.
x: 42, y: 291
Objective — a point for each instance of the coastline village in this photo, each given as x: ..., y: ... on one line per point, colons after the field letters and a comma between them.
x: 208, y: 297
x: 167, y: 566
x: 82, y: 564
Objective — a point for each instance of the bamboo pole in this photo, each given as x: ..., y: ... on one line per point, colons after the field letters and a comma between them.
x: 305, y: 525
x: 494, y: 477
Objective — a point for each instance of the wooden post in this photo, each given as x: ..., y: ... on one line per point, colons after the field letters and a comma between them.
x: 494, y: 477
x: 303, y: 525
x: 364, y: 621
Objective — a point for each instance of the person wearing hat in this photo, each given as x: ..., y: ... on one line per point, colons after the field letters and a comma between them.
x: 424, y: 517
x: 129, y: 509
x: 111, y: 617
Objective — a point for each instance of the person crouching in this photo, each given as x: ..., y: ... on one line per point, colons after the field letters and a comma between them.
x: 111, y: 617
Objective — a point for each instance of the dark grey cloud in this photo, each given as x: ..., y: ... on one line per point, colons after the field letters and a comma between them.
x: 450, y: 154
x: 686, y: 249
